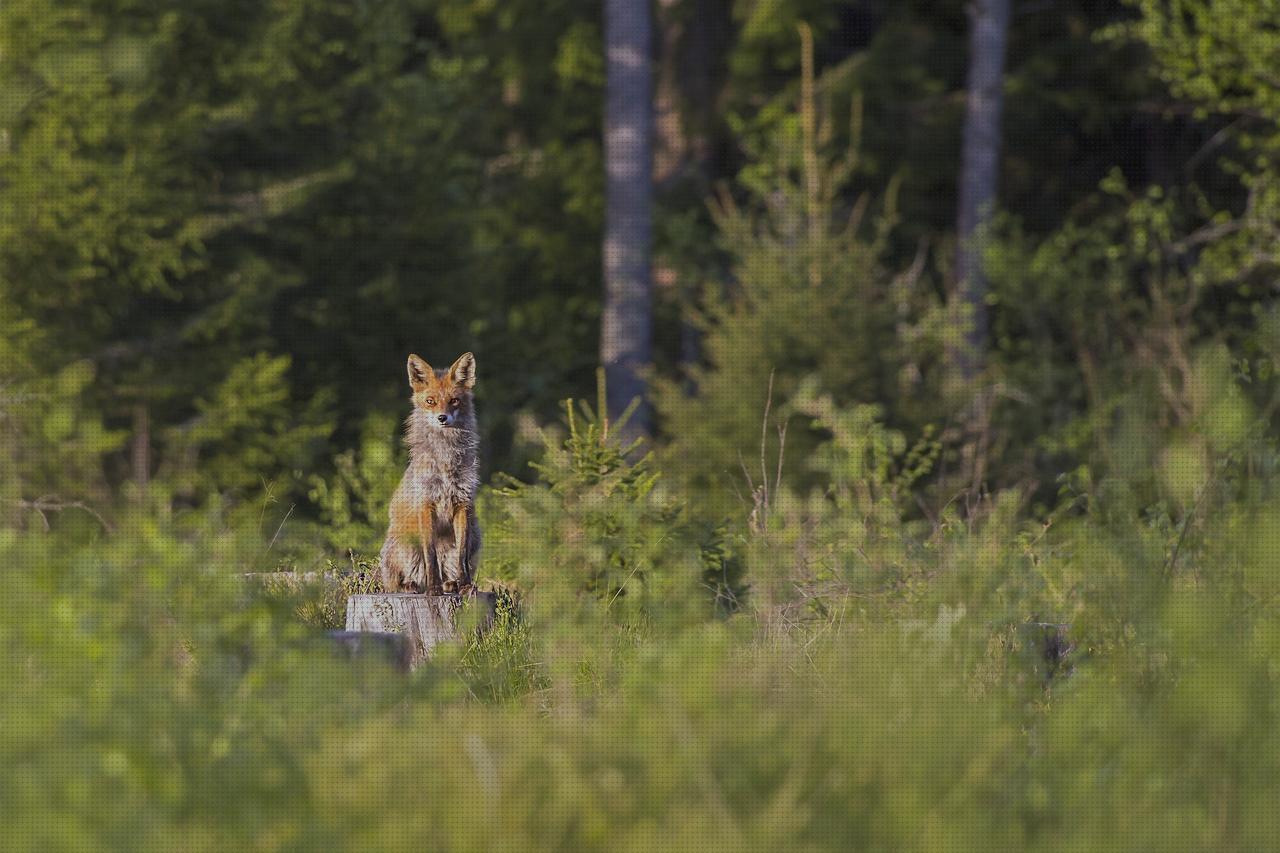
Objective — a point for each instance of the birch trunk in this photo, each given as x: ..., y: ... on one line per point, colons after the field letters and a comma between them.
x: 626, y: 321
x: 980, y: 166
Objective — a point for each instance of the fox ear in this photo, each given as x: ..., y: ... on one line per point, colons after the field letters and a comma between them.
x: 463, y: 371
x: 419, y: 371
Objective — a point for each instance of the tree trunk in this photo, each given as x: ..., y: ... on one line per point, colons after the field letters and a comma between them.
x: 980, y: 166
x: 141, y: 450
x: 425, y: 621
x: 627, y: 321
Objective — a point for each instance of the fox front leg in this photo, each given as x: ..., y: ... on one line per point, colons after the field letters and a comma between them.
x: 461, y: 538
x: 401, y: 564
x: 427, y: 537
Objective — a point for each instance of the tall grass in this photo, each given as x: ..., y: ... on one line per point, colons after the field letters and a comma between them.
x: 1090, y: 680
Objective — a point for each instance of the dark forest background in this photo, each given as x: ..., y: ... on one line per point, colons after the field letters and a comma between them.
x: 226, y: 226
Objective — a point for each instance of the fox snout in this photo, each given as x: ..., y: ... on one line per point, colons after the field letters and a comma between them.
x: 443, y: 413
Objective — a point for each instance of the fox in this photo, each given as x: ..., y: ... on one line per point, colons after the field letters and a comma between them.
x: 433, y: 535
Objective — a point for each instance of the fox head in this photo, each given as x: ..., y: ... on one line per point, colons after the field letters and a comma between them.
x: 445, y: 396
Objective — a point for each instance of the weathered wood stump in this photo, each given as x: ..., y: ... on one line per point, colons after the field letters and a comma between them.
x: 425, y: 621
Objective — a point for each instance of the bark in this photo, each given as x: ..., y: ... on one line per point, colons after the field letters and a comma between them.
x: 425, y: 621
x: 140, y: 452
x: 980, y: 165
x: 626, y: 333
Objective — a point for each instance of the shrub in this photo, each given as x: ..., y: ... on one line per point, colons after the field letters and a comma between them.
x: 602, y: 533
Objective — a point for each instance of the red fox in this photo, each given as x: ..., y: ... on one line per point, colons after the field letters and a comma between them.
x: 433, y: 536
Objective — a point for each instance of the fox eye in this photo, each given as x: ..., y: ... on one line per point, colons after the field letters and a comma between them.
x: 453, y: 402
x: 431, y: 401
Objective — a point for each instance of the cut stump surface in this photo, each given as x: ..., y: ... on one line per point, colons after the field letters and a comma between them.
x: 425, y: 621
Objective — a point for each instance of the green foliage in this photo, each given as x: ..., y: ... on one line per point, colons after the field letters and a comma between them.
x: 501, y: 664
x: 353, y: 502
x: 800, y: 256
x: 198, y: 195
x: 1131, y: 369
x: 599, y: 527
x: 251, y: 427
x: 1217, y: 54
x: 320, y: 600
x: 152, y: 702
x: 51, y: 441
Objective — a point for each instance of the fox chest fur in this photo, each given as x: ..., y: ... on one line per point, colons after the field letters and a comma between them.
x: 444, y: 466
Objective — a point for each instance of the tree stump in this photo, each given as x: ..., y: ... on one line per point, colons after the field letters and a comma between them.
x: 425, y: 621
